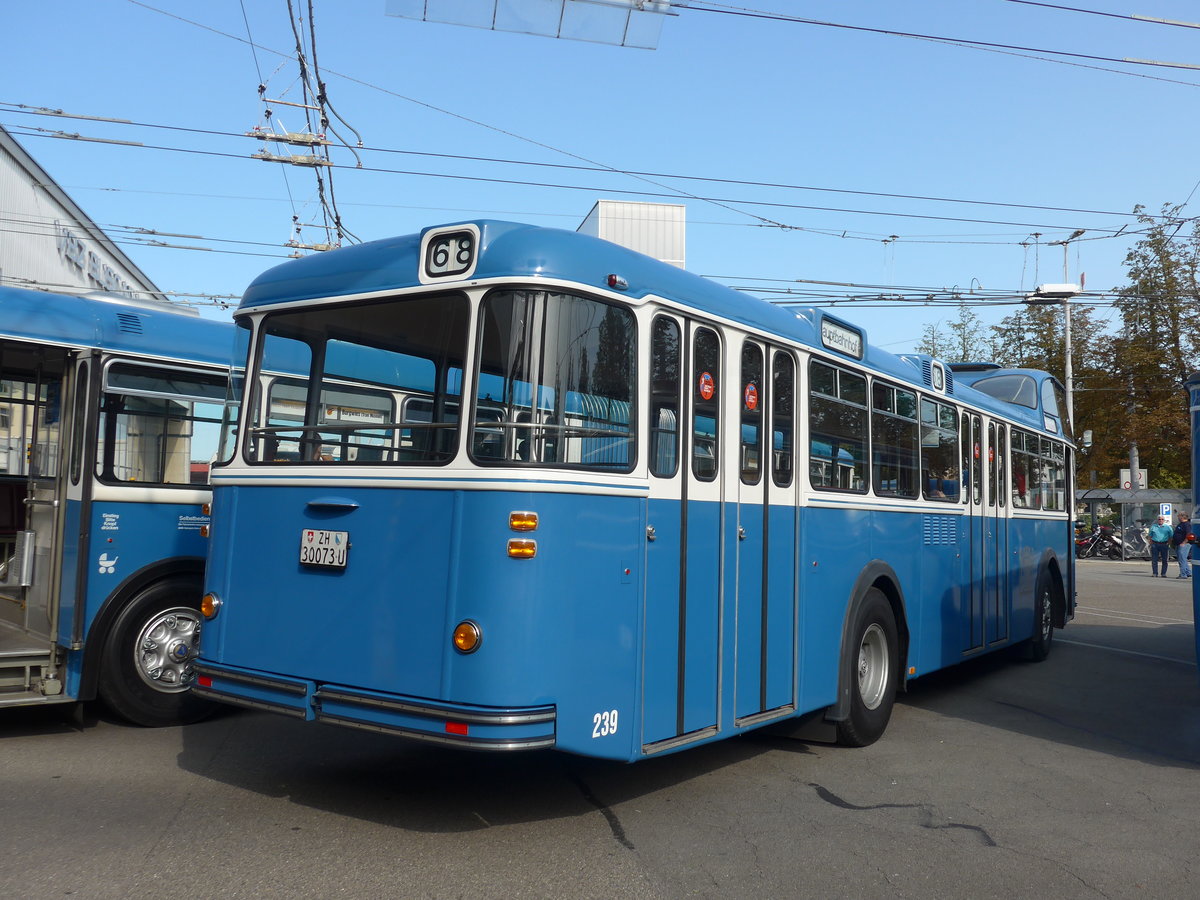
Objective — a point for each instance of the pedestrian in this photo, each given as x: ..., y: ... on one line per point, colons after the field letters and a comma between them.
x: 1182, y: 541
x: 1160, y: 539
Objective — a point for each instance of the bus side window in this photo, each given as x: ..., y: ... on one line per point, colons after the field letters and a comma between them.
x: 965, y: 438
x: 751, y: 406
x: 894, y: 459
x: 976, y: 461
x: 79, y: 421
x: 1001, y: 466
x: 706, y: 396
x: 939, y: 452
x: 837, y: 413
x: 993, y: 462
x: 665, y: 350
x: 783, y: 404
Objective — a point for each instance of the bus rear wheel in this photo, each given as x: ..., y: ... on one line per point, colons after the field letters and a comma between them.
x: 872, y: 670
x: 146, y: 670
x: 1038, y: 646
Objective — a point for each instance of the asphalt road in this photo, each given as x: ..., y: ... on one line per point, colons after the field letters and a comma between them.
x: 1076, y: 777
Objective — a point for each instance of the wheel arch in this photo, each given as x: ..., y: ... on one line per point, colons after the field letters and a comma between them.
x: 876, y: 574
x: 134, y: 584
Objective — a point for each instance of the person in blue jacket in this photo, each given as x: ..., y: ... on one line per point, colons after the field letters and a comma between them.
x: 1182, y: 541
x: 1160, y: 539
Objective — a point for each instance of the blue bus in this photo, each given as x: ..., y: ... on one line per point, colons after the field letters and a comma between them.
x: 109, y: 420
x: 507, y: 487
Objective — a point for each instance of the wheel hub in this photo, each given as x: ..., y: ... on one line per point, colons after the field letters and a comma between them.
x: 166, y: 646
x: 873, y: 666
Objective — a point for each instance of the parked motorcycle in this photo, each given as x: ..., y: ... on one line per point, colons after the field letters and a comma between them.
x: 1101, y: 543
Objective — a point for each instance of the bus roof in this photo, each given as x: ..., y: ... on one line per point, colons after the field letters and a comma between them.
x: 514, y: 250
x: 104, y: 321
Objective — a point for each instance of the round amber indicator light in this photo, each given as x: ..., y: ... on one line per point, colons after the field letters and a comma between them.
x: 209, y: 605
x: 467, y: 637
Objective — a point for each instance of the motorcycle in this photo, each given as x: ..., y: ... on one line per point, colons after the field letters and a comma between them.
x: 1101, y: 543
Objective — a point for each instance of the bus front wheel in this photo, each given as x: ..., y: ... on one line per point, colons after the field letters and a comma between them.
x: 872, y: 671
x: 147, y: 665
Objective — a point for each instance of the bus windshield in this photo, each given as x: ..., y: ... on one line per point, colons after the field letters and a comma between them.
x: 372, y: 383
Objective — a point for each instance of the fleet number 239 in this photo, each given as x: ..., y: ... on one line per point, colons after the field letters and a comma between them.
x: 604, y: 723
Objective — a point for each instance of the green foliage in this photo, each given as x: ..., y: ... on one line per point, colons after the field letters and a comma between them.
x: 1128, y: 384
x: 959, y: 340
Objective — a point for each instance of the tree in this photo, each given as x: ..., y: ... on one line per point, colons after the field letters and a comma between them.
x: 966, y: 336
x: 1139, y: 382
x: 933, y: 341
x: 961, y: 341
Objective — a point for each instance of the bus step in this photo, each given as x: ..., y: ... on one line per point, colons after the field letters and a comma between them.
x: 31, y: 698
x: 25, y: 661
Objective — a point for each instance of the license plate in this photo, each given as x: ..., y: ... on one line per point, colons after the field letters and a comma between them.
x: 324, y: 548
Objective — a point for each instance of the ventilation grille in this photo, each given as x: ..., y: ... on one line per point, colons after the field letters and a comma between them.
x: 129, y: 323
x: 927, y: 374
x: 941, y: 530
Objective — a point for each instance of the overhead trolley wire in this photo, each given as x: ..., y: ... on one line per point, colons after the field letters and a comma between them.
x: 26, y: 109
x: 38, y: 132
x: 966, y: 42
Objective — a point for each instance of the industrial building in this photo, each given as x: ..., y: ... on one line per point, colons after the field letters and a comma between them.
x: 48, y: 243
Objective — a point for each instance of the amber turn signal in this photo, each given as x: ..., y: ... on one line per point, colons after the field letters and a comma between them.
x: 519, y: 549
x: 210, y: 605
x: 467, y: 637
x: 523, y: 521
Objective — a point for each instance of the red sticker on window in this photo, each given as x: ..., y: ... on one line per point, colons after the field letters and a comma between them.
x: 707, y: 386
x: 977, y: 451
x: 751, y: 396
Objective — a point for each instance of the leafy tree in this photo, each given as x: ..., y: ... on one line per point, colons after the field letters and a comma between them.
x: 966, y: 336
x: 961, y: 340
x: 933, y: 341
x: 1137, y: 387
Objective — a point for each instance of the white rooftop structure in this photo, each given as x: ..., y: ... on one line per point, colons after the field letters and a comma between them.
x: 655, y: 229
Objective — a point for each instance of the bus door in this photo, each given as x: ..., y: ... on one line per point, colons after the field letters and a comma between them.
x: 764, y: 544
x: 987, y: 614
x: 683, y: 548
x: 976, y: 570
x: 997, y: 534
x: 31, y: 423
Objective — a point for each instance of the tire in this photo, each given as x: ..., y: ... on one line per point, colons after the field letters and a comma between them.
x: 146, y: 667
x: 872, y: 671
x: 1113, y: 551
x: 1038, y: 646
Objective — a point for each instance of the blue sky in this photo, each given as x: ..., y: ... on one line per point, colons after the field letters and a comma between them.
x: 850, y: 115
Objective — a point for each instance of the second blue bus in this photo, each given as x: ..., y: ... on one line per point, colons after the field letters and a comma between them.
x: 109, y: 419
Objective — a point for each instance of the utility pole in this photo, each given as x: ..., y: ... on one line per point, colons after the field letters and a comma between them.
x: 1068, y: 375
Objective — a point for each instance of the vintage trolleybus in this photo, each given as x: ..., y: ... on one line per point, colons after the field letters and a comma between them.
x: 503, y: 487
x: 109, y: 418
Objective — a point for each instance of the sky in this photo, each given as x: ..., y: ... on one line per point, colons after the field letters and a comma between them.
x: 848, y: 160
